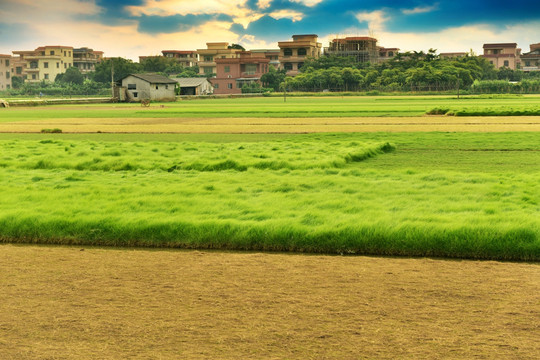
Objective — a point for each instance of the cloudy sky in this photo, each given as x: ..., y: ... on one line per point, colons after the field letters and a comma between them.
x: 130, y: 28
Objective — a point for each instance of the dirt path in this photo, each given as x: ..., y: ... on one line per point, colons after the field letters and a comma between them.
x: 64, y: 303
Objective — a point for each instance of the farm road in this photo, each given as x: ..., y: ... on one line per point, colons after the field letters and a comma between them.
x: 65, y: 303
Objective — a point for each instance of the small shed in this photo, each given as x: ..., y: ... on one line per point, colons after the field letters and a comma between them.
x: 195, y: 86
x: 149, y: 87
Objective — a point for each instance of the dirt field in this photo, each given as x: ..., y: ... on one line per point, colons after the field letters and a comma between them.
x: 278, y: 125
x: 66, y: 303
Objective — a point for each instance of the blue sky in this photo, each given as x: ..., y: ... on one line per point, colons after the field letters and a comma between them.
x: 131, y: 28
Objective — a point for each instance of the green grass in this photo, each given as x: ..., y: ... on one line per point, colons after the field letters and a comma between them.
x: 438, y: 194
x: 295, y: 107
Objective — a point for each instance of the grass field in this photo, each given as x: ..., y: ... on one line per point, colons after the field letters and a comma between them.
x: 454, y: 195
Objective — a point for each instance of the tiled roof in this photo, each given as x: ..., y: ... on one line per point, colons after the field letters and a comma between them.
x: 154, y: 78
x: 190, y: 82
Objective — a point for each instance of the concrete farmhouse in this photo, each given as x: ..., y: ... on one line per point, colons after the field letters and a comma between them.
x: 149, y: 87
x: 194, y: 86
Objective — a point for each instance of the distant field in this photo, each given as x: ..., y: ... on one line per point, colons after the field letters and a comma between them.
x: 273, y: 115
x: 455, y: 195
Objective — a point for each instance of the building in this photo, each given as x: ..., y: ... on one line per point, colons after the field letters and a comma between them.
x: 452, y: 55
x: 214, y: 50
x: 386, y: 54
x: 294, y: 53
x: 270, y: 54
x: 531, y: 61
x: 503, y: 55
x: 5, y: 72
x: 363, y: 49
x: 187, y: 58
x: 43, y: 63
x: 85, y: 59
x: 233, y: 73
x: 195, y: 86
x: 149, y: 87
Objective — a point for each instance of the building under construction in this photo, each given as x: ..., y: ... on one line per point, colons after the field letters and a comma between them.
x: 364, y: 49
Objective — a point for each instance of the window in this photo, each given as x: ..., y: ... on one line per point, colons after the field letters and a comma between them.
x: 227, y: 68
x: 302, y: 52
x: 18, y: 70
x: 7, y: 62
x: 132, y: 86
x: 287, y: 52
x: 33, y: 65
x: 166, y: 87
x: 229, y: 86
x: 527, y: 63
x: 208, y: 70
x: 287, y: 66
x: 135, y: 94
x: 299, y: 66
x: 46, y: 65
x: 208, y: 58
x: 33, y: 76
x: 216, y: 86
x: 251, y: 69
x: 390, y: 53
x: 65, y: 53
x: 8, y: 74
x: 506, y: 63
x: 157, y: 87
x: 69, y: 53
x: 46, y: 76
x: 57, y: 65
x: 65, y: 66
x: 8, y: 86
x: 52, y: 52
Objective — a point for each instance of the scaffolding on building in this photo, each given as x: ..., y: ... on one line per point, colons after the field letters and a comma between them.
x: 363, y: 49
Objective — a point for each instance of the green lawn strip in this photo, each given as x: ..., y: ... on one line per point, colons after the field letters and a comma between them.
x: 397, y: 208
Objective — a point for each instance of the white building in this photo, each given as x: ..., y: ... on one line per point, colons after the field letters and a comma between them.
x: 149, y: 87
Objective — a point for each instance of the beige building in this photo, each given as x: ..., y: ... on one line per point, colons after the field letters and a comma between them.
x: 85, y: 59
x: 43, y: 63
x: 452, y: 55
x: 186, y: 58
x: 214, y: 50
x: 386, y: 54
x: 5, y: 72
x: 503, y: 55
x: 294, y: 53
x: 363, y: 49
x: 531, y: 61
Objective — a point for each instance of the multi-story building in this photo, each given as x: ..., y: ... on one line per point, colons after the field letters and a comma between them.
x: 5, y: 72
x: 187, y: 58
x: 43, y: 63
x: 294, y: 53
x: 214, y: 51
x: 386, y: 54
x: 531, y: 61
x: 503, y: 55
x: 270, y: 54
x: 85, y: 59
x: 363, y: 49
x: 452, y: 55
x: 233, y: 73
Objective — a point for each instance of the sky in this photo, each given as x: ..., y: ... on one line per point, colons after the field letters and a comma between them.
x: 133, y: 28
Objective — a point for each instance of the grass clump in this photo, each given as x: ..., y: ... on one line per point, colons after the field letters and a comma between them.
x: 51, y: 131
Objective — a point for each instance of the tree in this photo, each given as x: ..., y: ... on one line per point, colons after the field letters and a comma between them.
x: 236, y: 46
x: 122, y: 68
x: 17, y: 82
x: 71, y: 76
x: 273, y: 78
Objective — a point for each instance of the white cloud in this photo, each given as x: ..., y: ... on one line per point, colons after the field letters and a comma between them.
x: 309, y: 3
x: 421, y: 9
x: 263, y: 4
x: 287, y: 14
x: 45, y: 12
x: 375, y: 19
x: 184, y: 7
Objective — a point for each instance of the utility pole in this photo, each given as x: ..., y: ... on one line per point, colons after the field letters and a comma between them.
x: 112, y: 78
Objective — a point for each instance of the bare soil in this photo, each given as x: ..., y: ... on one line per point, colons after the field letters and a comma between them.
x: 278, y: 125
x: 70, y: 303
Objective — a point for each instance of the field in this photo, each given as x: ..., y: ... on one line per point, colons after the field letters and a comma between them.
x: 334, y: 176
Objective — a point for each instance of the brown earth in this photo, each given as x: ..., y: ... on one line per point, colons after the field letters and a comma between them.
x: 65, y: 303
x: 278, y: 125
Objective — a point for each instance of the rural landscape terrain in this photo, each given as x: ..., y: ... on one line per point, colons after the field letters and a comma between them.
x: 347, y: 227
